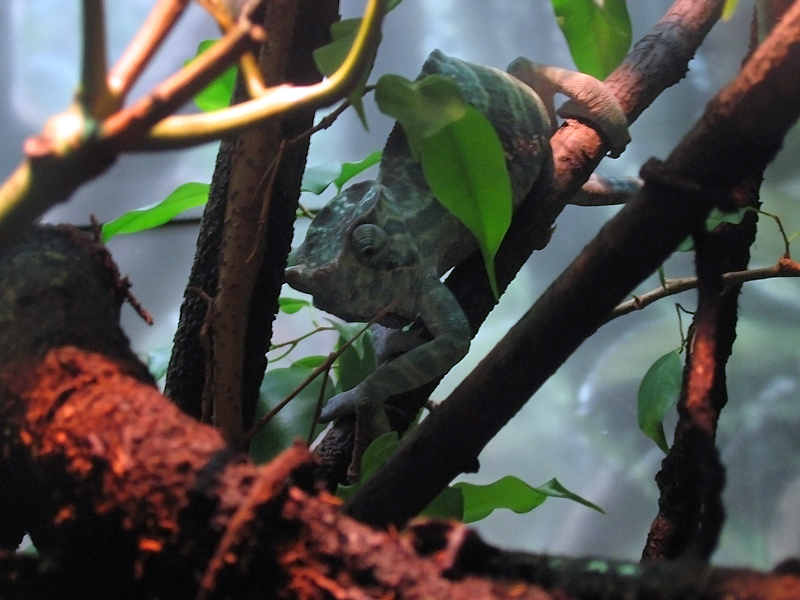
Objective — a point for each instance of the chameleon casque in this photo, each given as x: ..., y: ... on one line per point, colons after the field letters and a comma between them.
x: 388, y: 241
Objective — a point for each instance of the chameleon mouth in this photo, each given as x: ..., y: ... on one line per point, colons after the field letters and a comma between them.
x: 306, y: 280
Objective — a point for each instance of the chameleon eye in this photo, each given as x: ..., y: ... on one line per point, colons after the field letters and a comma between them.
x: 368, y: 239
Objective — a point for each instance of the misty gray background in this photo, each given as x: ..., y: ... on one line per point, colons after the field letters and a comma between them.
x: 581, y: 427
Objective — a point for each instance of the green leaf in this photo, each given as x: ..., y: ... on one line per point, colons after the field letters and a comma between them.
x: 292, y: 305
x: 464, y: 165
x: 716, y: 216
x: 422, y: 107
x: 317, y: 179
x: 158, y: 361
x: 598, y: 33
x: 449, y: 504
x: 295, y: 419
x: 658, y: 392
x: 217, y: 94
x: 512, y: 493
x: 686, y: 245
x: 355, y: 363
x: 310, y: 362
x: 330, y: 57
x: 350, y: 170
x: 184, y: 197
x: 374, y: 456
x: 348, y: 331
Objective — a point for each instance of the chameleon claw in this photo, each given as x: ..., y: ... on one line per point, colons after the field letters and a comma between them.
x: 343, y: 404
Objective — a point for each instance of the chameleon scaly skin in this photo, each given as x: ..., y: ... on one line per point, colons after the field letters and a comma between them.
x: 388, y: 241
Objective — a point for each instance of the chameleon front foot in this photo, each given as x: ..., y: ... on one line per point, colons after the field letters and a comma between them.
x: 371, y: 421
x: 344, y: 404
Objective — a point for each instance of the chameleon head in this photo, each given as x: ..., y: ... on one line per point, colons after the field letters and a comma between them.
x: 358, y: 258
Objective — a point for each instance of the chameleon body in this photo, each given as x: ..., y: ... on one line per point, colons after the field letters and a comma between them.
x: 386, y: 243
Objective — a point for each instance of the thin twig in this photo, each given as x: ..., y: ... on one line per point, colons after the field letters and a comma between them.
x: 94, y: 96
x: 178, y: 131
x: 328, y: 120
x: 784, y: 268
x: 129, y: 124
x: 137, y: 55
x: 326, y: 364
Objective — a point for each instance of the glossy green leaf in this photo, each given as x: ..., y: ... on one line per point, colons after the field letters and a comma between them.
x: 330, y: 57
x: 350, y: 169
x: 217, y: 94
x: 310, y: 362
x: 598, y: 33
x: 294, y: 420
x: 422, y: 107
x: 512, y: 493
x: 658, y: 393
x: 158, y: 361
x: 317, y: 179
x: 186, y: 196
x: 465, y: 167
x: 292, y: 305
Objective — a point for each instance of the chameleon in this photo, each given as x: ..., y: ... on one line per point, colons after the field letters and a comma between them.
x: 385, y: 244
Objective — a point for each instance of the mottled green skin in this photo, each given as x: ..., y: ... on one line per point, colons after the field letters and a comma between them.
x: 422, y: 240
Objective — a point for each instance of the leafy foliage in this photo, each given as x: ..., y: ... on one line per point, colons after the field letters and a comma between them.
x: 292, y: 305
x: 296, y: 418
x: 467, y: 502
x: 358, y: 360
x: 317, y: 179
x: 599, y: 34
x: 422, y: 107
x: 186, y: 196
x: 217, y: 94
x: 466, y: 170
x: 658, y: 393
x: 330, y: 57
x: 512, y: 493
x: 158, y: 361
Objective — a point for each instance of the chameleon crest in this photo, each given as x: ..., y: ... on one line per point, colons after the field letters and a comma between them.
x: 383, y: 245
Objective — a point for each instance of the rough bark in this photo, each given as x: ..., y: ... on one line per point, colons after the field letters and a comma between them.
x: 250, y: 238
